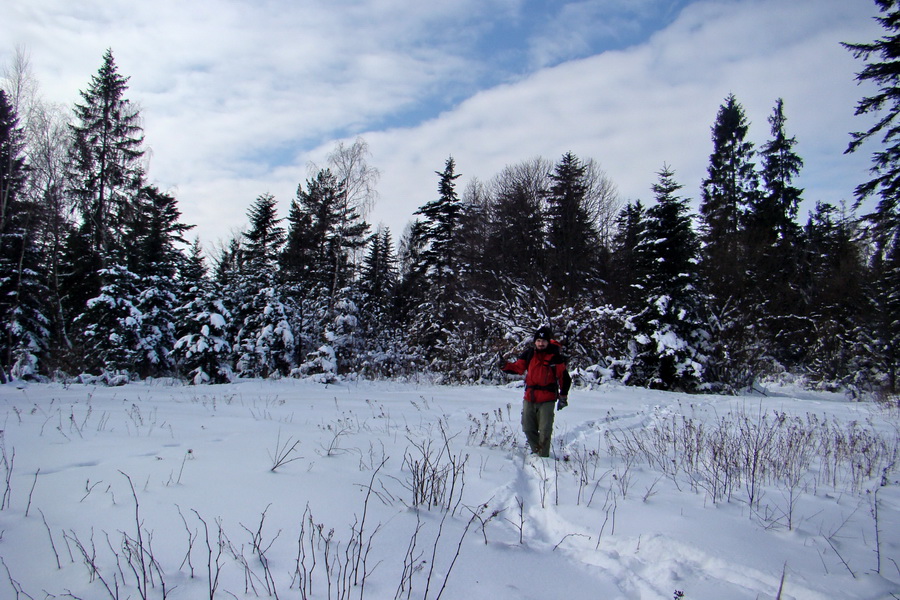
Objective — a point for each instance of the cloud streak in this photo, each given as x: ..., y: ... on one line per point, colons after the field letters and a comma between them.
x: 239, y: 96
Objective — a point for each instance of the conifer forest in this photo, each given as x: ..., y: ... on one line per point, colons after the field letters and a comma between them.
x: 101, y: 279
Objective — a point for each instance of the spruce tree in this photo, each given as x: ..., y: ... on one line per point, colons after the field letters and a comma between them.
x: 105, y: 172
x: 775, y: 209
x: 265, y: 236
x: 837, y: 332
x: 773, y: 243
x: 572, y: 237
x: 324, y: 232
x: 105, y: 177
x: 517, y: 233
x: 297, y: 262
x: 156, y: 259
x: 110, y: 327
x: 204, y: 328
x: 438, y: 238
x: 23, y: 307
x: 441, y: 220
x: 730, y: 187
x: 669, y: 339
x: 264, y: 339
x: 882, y: 58
x: 378, y: 276
x: 379, y: 281
x: 626, y: 276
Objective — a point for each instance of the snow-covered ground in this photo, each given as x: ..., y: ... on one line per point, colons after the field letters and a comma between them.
x: 294, y: 489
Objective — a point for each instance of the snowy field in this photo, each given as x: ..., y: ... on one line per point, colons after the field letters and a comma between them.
x: 293, y: 489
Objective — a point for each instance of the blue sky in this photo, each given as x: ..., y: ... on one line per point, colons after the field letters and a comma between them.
x: 239, y: 97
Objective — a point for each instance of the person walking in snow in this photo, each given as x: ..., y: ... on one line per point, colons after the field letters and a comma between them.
x: 547, y: 383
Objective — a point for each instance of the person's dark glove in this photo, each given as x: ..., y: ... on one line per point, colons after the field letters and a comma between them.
x: 562, y: 402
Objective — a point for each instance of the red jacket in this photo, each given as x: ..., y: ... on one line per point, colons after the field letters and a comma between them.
x: 546, y: 376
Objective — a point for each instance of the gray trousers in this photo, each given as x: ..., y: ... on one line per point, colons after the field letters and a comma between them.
x: 537, y: 423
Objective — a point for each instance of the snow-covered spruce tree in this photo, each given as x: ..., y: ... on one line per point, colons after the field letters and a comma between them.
x: 516, y: 226
x: 265, y: 338
x: 317, y: 265
x: 437, y: 272
x: 264, y: 342
x: 882, y: 58
x: 384, y: 354
x: 626, y: 276
x: 155, y: 233
x: 105, y: 170
x: 773, y: 249
x: 105, y: 176
x: 738, y: 354
x: 343, y: 345
x: 668, y: 345
x: 109, y: 329
x: 834, y: 284
x: 202, y: 350
x: 23, y: 305
x: 573, y: 241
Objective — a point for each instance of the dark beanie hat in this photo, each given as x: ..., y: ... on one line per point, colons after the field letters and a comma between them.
x: 543, y: 334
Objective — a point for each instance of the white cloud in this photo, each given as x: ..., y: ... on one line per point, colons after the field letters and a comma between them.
x: 636, y: 109
x: 238, y: 95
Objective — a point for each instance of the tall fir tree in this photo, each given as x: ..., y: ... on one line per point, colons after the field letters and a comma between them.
x: 775, y: 209
x: 105, y: 177
x: 773, y: 247
x: 441, y: 219
x: 882, y: 58
x: 106, y: 174
x: 438, y: 238
x: 297, y: 262
x: 265, y: 236
x: 324, y: 232
x: 379, y: 269
x: 729, y: 189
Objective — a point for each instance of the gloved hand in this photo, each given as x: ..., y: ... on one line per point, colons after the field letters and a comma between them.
x: 562, y: 402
